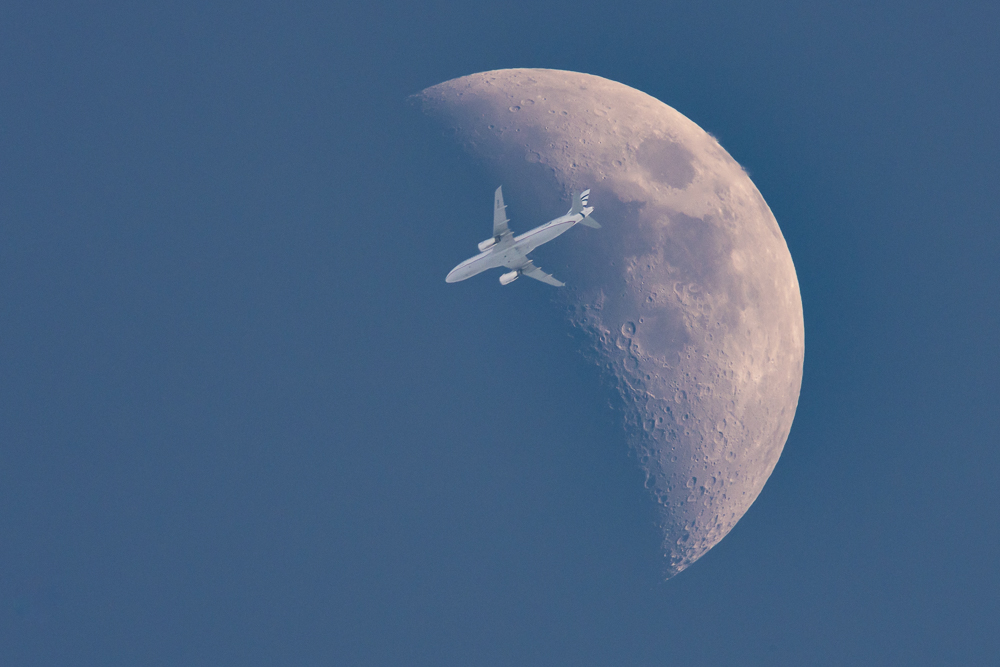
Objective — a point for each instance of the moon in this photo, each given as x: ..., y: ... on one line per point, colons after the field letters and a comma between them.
x: 687, y: 298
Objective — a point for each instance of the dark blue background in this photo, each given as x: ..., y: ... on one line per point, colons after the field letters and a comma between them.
x: 245, y: 421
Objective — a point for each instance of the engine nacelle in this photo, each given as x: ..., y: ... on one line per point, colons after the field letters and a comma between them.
x: 487, y: 244
x: 508, y: 278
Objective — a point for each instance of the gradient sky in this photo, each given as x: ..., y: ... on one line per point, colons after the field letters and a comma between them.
x: 245, y: 421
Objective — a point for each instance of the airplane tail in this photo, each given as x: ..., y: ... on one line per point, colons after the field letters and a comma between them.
x: 580, y: 206
x: 579, y: 202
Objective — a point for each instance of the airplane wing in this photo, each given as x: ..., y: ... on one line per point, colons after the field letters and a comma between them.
x: 500, y: 228
x: 533, y: 271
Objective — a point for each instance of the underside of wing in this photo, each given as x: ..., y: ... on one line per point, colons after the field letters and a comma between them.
x: 500, y: 220
x: 533, y: 271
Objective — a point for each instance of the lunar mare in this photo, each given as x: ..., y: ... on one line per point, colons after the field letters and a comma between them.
x: 687, y: 298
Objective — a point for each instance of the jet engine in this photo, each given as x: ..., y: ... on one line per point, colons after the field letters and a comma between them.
x: 508, y: 278
x: 487, y: 244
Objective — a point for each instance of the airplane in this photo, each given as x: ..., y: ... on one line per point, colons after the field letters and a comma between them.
x: 504, y: 249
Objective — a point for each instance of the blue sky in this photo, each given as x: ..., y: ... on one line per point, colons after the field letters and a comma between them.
x: 245, y: 421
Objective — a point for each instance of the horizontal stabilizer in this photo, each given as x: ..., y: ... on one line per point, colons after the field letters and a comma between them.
x: 590, y: 222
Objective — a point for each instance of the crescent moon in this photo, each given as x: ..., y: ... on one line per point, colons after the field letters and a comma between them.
x: 687, y: 298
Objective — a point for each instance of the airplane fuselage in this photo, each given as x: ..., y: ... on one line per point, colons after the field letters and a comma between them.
x: 513, y: 254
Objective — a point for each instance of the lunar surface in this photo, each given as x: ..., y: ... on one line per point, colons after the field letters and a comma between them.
x: 687, y: 297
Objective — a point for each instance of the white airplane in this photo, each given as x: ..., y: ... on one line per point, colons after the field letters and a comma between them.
x: 506, y: 250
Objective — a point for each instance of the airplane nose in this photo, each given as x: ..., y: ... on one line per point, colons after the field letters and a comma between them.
x: 450, y: 278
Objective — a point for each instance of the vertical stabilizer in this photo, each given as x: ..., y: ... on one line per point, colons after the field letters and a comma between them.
x: 579, y: 202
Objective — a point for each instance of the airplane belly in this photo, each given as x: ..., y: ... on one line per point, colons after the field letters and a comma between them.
x: 513, y: 257
x: 473, y: 267
x: 542, y: 236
